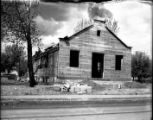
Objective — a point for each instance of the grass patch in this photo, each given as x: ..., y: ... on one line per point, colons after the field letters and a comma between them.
x: 147, y: 80
x: 7, y: 90
x: 6, y: 81
x: 94, y: 85
x: 135, y: 85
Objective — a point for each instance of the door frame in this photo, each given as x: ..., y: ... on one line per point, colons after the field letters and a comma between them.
x: 102, y: 62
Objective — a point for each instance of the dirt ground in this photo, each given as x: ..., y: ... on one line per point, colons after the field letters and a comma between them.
x: 11, y: 87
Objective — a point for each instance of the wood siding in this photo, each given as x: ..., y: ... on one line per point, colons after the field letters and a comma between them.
x: 51, y: 70
x: 87, y: 43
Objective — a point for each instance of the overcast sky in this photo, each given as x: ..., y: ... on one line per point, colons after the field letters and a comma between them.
x: 134, y: 19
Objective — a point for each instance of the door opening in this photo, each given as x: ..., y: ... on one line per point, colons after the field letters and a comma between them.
x: 97, y: 65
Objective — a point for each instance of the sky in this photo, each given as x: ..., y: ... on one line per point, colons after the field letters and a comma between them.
x: 135, y: 23
x: 57, y: 20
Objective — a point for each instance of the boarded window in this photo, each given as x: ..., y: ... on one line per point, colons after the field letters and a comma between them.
x: 74, y: 58
x: 118, y: 64
x: 98, y: 32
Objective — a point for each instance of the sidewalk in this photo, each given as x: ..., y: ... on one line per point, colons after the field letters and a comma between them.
x: 75, y: 97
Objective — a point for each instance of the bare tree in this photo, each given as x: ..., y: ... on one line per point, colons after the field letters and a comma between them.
x: 17, y: 19
x: 96, y: 11
x: 83, y: 23
x: 112, y: 24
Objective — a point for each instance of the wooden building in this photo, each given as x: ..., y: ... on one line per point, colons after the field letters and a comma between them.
x: 92, y: 53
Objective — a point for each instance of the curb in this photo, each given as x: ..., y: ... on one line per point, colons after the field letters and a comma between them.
x: 76, y: 98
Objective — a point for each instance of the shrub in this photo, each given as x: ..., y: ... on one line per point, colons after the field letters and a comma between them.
x: 147, y: 80
x: 134, y: 85
x: 10, y: 76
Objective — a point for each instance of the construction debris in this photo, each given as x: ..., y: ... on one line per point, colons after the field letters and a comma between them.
x: 76, y: 87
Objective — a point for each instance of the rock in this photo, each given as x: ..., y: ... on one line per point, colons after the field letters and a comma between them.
x: 80, y: 89
x: 72, y: 89
x: 77, y: 89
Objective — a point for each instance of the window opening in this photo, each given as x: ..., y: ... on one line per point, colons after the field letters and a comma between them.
x: 98, y: 32
x: 118, y: 64
x: 74, y: 58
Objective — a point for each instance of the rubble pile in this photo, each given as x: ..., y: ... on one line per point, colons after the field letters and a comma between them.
x: 76, y: 87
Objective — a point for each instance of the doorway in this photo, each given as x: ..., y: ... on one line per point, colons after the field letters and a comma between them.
x: 97, y: 65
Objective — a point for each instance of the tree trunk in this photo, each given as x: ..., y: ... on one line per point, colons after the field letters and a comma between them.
x: 139, y: 78
x: 18, y: 77
x: 30, y: 63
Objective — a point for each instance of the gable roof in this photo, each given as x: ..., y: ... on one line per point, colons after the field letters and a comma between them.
x: 129, y: 47
x: 67, y: 39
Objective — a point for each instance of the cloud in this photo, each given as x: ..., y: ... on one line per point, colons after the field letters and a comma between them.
x: 95, y: 10
x: 47, y: 27
x: 61, y: 11
x: 59, y: 20
x: 55, y: 19
x: 53, y: 10
x: 134, y: 19
x: 49, y: 40
x: 78, y: 11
